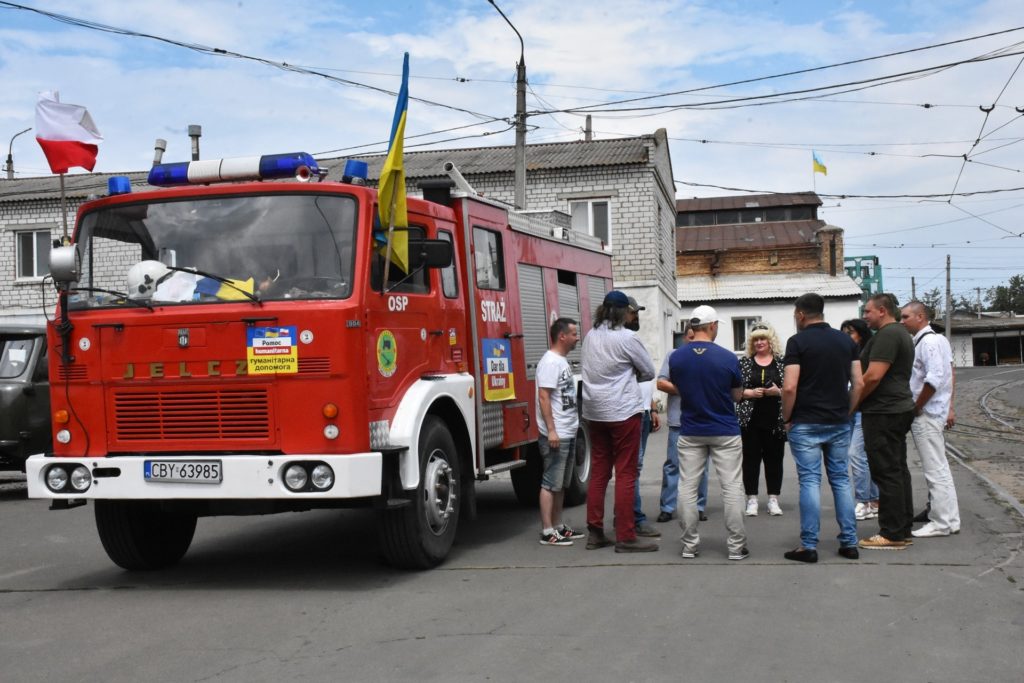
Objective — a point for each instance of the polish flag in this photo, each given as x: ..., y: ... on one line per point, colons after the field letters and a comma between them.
x: 66, y: 133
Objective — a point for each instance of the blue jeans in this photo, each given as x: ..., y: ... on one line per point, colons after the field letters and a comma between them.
x: 645, y: 431
x: 863, y: 486
x: 670, y: 477
x: 809, y: 443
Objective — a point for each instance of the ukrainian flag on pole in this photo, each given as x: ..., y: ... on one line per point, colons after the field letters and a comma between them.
x: 818, y: 167
x: 391, y: 188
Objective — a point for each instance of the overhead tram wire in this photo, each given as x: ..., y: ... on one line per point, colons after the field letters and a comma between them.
x: 821, y: 68
x: 856, y: 196
x: 220, y: 52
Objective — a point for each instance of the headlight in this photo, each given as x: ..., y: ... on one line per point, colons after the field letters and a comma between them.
x: 295, y: 477
x: 56, y: 478
x: 331, y: 431
x: 81, y: 479
x: 322, y: 477
x: 64, y: 436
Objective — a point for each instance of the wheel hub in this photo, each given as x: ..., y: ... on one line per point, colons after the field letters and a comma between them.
x: 439, y: 488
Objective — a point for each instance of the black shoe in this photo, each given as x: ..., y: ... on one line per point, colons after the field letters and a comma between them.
x: 596, y: 539
x: 666, y: 517
x: 802, y: 555
x: 850, y: 552
x: 922, y: 516
x: 702, y: 517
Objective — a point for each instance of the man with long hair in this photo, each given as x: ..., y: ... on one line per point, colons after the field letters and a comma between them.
x: 614, y: 361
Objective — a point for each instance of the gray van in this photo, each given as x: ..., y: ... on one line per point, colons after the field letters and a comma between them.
x: 24, y: 394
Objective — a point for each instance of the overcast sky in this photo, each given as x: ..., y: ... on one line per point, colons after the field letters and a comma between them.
x: 875, y: 141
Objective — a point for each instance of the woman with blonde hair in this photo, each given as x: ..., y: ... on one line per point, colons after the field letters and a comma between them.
x: 760, y: 416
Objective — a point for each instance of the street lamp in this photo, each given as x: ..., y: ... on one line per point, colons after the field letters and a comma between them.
x: 10, y: 159
x: 520, y: 154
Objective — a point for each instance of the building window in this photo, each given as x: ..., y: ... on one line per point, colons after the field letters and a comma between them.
x: 740, y: 329
x: 593, y: 217
x: 33, y: 253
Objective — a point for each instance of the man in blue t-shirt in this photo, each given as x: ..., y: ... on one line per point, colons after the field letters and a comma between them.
x: 708, y: 427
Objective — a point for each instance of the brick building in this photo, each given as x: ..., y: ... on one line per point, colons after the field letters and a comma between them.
x: 620, y: 190
x: 750, y: 256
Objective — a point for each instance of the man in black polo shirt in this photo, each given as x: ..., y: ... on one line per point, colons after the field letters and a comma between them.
x: 820, y: 388
x: 887, y: 406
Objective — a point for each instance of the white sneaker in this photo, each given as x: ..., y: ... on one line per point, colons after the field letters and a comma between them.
x: 862, y: 510
x: 929, y: 530
x: 751, y: 510
x: 773, y: 506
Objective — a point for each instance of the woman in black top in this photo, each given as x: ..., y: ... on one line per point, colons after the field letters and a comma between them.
x: 760, y: 417
x: 865, y: 490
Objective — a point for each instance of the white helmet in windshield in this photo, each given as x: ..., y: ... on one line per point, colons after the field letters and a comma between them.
x: 144, y: 277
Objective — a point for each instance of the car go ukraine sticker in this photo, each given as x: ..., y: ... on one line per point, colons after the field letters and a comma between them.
x: 498, y: 378
x: 271, y: 350
x: 387, y: 353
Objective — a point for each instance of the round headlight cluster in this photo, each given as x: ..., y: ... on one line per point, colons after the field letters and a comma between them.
x: 310, y: 477
x: 68, y: 478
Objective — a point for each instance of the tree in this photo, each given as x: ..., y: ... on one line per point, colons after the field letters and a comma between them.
x: 1009, y: 297
x: 934, y: 300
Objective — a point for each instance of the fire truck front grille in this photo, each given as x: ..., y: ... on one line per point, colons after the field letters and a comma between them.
x: 217, y: 415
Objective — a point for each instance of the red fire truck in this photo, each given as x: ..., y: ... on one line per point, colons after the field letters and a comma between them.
x: 248, y: 347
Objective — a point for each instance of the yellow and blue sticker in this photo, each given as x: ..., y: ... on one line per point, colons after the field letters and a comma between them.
x: 499, y: 382
x: 272, y: 350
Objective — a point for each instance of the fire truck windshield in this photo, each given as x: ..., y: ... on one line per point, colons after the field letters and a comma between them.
x: 271, y: 247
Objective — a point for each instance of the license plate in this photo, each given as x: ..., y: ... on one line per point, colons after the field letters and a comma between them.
x: 184, y: 471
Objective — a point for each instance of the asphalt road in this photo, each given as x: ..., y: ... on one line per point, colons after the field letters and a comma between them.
x: 301, y: 597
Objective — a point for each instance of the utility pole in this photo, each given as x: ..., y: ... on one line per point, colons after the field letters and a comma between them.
x: 520, y: 149
x: 949, y: 303
x: 913, y: 288
x: 978, y: 290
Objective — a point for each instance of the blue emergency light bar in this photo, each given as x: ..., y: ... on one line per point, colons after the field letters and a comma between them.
x: 298, y: 165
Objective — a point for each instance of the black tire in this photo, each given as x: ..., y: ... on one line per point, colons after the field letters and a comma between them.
x: 139, y: 535
x: 526, y: 479
x: 576, y: 493
x: 419, y: 535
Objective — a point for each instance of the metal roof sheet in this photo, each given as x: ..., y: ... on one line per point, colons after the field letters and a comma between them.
x: 748, y: 201
x: 747, y: 235
x: 470, y: 161
x: 704, y: 288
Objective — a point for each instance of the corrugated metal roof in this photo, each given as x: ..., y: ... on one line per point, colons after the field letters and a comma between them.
x: 748, y: 201
x: 967, y: 325
x: 471, y: 162
x: 747, y: 235
x: 703, y: 288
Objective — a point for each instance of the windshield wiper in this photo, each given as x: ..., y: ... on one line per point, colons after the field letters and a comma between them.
x: 222, y: 280
x: 138, y: 302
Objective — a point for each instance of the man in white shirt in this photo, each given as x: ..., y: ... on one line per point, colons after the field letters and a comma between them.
x: 557, y: 422
x: 931, y: 383
x: 614, y: 361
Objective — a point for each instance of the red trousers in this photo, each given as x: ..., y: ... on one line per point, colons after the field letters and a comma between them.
x: 614, y: 446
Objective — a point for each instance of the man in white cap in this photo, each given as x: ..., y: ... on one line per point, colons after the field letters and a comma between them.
x: 708, y: 427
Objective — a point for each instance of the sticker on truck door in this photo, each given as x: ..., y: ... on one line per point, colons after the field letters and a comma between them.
x: 498, y: 379
x: 271, y: 350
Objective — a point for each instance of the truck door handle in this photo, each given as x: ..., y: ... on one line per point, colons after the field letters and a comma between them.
x: 437, y: 333
x: 509, y: 335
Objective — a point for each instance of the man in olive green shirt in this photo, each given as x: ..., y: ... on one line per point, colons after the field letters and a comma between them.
x: 887, y: 406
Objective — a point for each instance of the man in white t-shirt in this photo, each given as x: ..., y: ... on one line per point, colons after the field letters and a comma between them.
x: 557, y: 421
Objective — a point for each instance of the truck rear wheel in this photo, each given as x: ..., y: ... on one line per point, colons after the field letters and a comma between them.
x: 140, y: 535
x: 579, y: 482
x: 419, y: 535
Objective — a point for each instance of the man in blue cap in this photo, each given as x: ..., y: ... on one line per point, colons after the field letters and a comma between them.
x: 614, y: 361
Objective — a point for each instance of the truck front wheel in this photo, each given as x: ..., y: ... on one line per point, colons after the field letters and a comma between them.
x: 419, y: 535
x: 140, y: 535
x: 576, y: 493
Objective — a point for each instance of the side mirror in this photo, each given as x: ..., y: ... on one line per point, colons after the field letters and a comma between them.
x: 65, y: 265
x: 430, y: 253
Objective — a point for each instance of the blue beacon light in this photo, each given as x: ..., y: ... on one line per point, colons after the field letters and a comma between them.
x: 298, y: 165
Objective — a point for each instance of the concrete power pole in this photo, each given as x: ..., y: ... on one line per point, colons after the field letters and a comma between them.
x: 978, y: 290
x: 949, y: 303
x: 520, y: 149
x: 913, y: 288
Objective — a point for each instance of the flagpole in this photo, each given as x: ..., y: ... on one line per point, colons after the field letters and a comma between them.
x: 391, y: 234
x: 64, y: 211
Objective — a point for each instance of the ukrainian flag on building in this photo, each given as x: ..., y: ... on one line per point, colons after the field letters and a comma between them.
x: 391, y: 188
x: 818, y: 166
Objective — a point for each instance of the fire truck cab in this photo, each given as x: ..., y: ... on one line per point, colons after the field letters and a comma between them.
x: 254, y: 347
